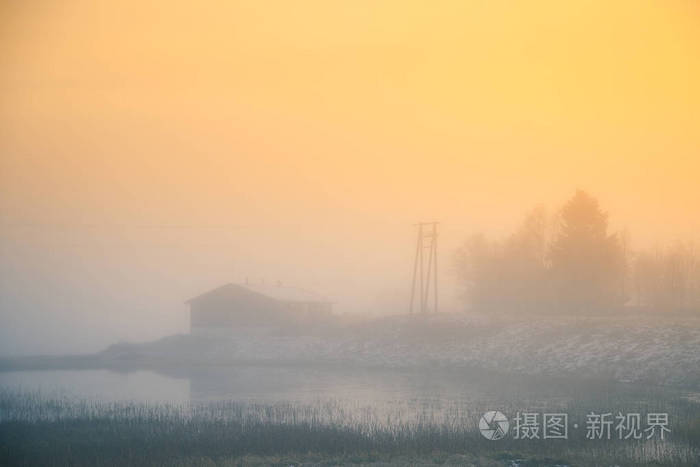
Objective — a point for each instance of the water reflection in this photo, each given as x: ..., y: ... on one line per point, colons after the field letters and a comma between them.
x: 100, y: 385
x: 309, y: 384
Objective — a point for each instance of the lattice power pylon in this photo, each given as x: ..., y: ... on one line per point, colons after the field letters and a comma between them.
x: 425, y: 272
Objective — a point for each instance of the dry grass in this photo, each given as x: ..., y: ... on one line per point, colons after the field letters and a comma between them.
x: 38, y: 430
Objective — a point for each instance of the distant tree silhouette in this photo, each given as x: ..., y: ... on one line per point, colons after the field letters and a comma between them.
x: 571, y: 263
x: 523, y: 263
x: 508, y: 275
x: 587, y: 263
x: 668, y: 278
x: 476, y: 264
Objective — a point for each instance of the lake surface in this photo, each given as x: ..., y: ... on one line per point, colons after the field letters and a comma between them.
x: 376, y: 388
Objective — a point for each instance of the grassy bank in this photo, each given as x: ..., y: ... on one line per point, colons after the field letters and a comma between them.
x: 38, y: 430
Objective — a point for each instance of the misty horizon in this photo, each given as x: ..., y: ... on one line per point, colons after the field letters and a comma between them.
x: 87, y: 291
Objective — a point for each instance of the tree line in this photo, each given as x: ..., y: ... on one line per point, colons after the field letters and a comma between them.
x: 570, y: 262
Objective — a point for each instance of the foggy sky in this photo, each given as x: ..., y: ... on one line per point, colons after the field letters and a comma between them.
x: 151, y: 152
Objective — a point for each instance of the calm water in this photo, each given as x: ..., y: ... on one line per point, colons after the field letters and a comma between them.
x: 366, y: 387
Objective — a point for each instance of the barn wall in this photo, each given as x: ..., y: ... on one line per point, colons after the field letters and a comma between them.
x: 241, y: 310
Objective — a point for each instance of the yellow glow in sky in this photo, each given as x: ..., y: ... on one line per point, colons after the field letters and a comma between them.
x: 326, y: 128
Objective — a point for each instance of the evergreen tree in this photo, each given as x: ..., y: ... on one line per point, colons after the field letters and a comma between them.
x: 586, y: 262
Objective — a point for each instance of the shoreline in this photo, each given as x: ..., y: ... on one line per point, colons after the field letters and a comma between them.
x: 623, y: 350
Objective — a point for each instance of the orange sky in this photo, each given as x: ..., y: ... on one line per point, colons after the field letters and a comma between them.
x: 168, y: 147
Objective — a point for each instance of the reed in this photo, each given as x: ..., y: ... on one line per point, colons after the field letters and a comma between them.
x: 37, y: 429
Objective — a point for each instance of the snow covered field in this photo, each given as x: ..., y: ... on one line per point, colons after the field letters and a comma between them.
x: 629, y: 349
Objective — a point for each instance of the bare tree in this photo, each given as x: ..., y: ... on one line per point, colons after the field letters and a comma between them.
x: 668, y: 278
x: 508, y: 275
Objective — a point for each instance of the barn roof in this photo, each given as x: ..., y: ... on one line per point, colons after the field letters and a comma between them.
x: 280, y: 292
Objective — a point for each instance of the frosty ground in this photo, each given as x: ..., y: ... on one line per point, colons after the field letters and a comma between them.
x: 624, y: 349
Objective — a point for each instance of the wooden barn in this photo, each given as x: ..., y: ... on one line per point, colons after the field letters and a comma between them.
x: 251, y: 306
